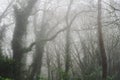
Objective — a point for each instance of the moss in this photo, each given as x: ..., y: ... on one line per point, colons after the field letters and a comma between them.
x: 2, y: 78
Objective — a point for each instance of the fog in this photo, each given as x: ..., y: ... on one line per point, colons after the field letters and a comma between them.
x: 59, y: 39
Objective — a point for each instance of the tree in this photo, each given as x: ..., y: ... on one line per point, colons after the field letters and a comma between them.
x: 101, y: 42
x: 67, y: 47
x: 21, y: 19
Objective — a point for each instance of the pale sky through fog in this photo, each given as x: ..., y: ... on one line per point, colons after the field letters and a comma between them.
x: 3, y: 4
x: 58, y: 34
x: 77, y: 4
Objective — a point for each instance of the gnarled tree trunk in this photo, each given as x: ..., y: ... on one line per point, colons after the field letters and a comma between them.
x: 21, y: 18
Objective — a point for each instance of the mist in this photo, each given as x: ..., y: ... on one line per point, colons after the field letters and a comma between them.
x: 59, y: 39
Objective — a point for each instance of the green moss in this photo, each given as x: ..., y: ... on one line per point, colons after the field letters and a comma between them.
x: 2, y: 78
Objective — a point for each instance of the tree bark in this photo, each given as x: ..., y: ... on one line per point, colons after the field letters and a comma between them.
x: 21, y: 18
x: 40, y: 44
x: 67, y: 49
x: 101, y: 42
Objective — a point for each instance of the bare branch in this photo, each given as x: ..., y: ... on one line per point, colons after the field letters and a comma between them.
x: 26, y: 50
x: 3, y: 14
x: 54, y: 36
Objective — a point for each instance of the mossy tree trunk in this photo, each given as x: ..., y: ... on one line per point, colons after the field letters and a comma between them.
x: 21, y: 19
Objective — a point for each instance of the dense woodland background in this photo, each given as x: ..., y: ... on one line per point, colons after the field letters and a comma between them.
x: 59, y: 39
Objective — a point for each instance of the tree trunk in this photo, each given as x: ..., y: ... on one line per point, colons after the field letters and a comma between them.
x: 101, y: 43
x: 40, y: 44
x: 21, y: 18
x: 67, y: 47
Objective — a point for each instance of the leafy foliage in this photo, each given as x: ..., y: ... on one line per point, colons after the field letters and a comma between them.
x: 1, y: 78
x: 6, y: 67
